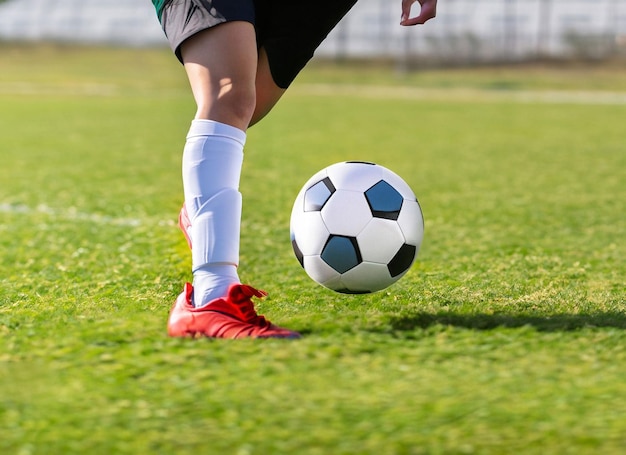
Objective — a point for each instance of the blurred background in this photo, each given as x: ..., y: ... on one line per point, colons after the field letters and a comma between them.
x: 465, y: 32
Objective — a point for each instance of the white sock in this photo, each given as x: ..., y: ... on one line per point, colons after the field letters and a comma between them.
x: 211, y: 282
x: 212, y: 161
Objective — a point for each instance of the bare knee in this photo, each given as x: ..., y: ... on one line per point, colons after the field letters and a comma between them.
x: 228, y: 103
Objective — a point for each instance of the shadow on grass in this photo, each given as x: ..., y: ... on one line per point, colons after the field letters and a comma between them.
x: 482, y: 321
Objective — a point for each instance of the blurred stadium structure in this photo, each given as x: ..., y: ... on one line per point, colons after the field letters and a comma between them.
x: 464, y: 32
x: 123, y: 22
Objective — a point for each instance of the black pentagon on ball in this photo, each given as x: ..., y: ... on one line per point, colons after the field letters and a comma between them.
x: 384, y: 201
x: 402, y: 260
x: 341, y: 253
x: 317, y: 195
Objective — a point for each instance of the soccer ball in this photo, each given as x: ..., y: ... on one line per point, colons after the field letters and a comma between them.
x: 356, y: 227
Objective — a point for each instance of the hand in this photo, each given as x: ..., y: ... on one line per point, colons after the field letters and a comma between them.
x: 428, y: 11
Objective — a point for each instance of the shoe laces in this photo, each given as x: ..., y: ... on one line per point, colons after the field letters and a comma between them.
x: 241, y: 296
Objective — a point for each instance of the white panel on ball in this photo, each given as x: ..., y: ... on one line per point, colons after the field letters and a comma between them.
x: 367, y: 276
x: 310, y: 228
x: 318, y: 270
x: 411, y: 223
x: 346, y: 213
x: 380, y: 240
x: 357, y: 176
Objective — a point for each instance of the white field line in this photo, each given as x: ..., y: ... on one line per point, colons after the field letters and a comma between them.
x: 72, y: 214
x: 463, y: 95
x: 27, y: 88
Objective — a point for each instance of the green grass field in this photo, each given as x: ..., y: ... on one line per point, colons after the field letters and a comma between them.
x: 506, y: 337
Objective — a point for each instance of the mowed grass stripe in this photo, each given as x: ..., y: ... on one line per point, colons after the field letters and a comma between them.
x: 464, y: 95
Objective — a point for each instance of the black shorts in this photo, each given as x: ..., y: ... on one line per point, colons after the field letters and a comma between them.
x: 288, y: 30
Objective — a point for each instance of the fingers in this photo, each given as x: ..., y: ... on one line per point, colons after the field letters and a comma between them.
x: 428, y: 11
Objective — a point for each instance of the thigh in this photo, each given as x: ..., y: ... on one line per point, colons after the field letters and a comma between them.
x: 267, y: 92
x: 182, y: 19
x: 221, y: 64
x: 290, y: 31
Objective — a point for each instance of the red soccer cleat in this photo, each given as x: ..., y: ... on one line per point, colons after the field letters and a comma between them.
x: 233, y: 316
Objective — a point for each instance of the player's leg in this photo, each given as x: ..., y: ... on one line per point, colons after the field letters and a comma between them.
x: 221, y: 66
x: 230, y: 97
x: 231, y: 91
